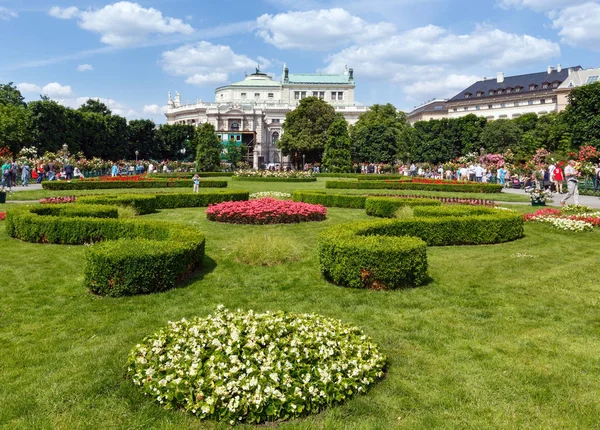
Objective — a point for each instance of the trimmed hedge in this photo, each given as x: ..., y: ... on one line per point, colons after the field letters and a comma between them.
x: 404, y: 185
x: 270, y: 179
x: 106, y: 185
x: 330, y: 200
x: 364, y: 176
x: 145, y: 204
x: 390, y: 254
x: 135, y: 257
x: 386, y: 207
x: 188, y: 175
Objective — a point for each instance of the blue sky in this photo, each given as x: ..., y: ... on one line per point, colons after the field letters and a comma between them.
x: 131, y: 54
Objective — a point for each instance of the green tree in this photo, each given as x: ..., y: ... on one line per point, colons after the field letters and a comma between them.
x: 305, y: 130
x: 142, y: 138
x: 49, y: 125
x: 172, y: 139
x: 583, y: 115
x: 95, y: 106
x: 500, y: 135
x: 234, y: 153
x: 337, y: 157
x: 15, y: 127
x: 10, y: 95
x: 208, y: 149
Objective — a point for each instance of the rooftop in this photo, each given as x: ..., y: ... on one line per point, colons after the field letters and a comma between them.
x: 319, y: 78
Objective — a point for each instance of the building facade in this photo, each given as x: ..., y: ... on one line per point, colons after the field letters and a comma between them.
x: 433, y: 109
x: 575, y: 79
x: 252, y: 111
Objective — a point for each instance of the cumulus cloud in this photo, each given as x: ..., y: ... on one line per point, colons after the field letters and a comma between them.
x: 318, y: 30
x: 539, y: 5
x: 54, y: 89
x: 123, y: 23
x: 438, y: 86
x: 578, y: 25
x: 206, y: 64
x: 28, y: 88
x: 117, y: 108
x: 154, y: 109
x: 84, y: 67
x: 7, y: 14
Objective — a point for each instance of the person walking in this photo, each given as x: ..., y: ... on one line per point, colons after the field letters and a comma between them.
x: 596, y: 177
x: 6, y: 176
x: 41, y: 172
x: 196, y: 180
x: 25, y: 172
x: 114, y: 171
x: 572, y: 176
x: 559, y: 179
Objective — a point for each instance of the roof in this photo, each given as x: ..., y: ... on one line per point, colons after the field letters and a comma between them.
x: 511, y: 82
x: 581, y: 77
x: 255, y: 80
x: 437, y: 106
x: 318, y: 78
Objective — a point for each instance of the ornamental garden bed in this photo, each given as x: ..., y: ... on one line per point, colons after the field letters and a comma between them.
x: 271, y: 179
x: 416, y: 185
x: 265, y: 211
x: 246, y: 367
x: 145, y: 183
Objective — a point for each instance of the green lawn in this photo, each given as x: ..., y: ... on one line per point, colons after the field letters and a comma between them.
x: 505, y: 336
x: 263, y: 186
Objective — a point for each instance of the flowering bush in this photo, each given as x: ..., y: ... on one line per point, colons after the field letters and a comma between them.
x: 540, y: 157
x: 493, y: 161
x: 445, y: 200
x: 122, y: 178
x: 247, y: 367
x: 580, y: 222
x: 576, y: 209
x: 588, y: 153
x: 272, y: 194
x: 58, y: 200
x: 265, y: 211
x: 565, y: 224
x: 540, y: 195
x: 291, y: 174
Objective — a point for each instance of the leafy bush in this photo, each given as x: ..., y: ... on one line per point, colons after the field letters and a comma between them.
x: 271, y: 179
x: 89, y: 185
x: 135, y: 257
x: 246, y: 367
x: 142, y: 203
x: 363, y: 176
x: 405, y: 185
x: 391, y: 254
x: 265, y: 211
x: 386, y: 207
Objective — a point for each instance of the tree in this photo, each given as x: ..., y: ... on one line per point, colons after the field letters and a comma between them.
x: 583, y: 115
x: 142, y: 138
x: 381, y: 135
x: 95, y: 106
x: 49, y: 125
x: 500, y: 135
x: 172, y: 138
x: 337, y: 157
x: 234, y: 153
x: 10, y: 95
x: 15, y: 127
x: 208, y: 148
x: 305, y: 130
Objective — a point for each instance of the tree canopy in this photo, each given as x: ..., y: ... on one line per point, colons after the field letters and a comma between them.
x: 337, y: 157
x: 208, y: 148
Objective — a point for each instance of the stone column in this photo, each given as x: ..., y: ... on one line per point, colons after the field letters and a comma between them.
x: 255, y: 157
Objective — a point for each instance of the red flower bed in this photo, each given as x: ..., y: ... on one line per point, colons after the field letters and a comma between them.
x: 265, y: 211
x: 2, y: 215
x: 58, y: 200
x: 122, y: 178
x: 542, y: 212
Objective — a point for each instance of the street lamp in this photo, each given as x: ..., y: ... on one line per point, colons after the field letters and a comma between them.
x: 303, y: 161
x: 136, y: 156
x: 65, y: 149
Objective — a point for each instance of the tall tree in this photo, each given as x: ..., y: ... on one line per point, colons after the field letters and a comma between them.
x: 501, y: 135
x: 172, y: 139
x: 305, y: 130
x: 337, y: 157
x: 208, y: 152
x: 15, y: 127
x: 142, y: 138
x: 95, y: 106
x: 10, y: 95
x: 49, y: 125
x: 583, y: 115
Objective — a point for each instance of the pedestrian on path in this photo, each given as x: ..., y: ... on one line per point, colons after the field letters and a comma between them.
x: 25, y: 171
x: 572, y: 176
x: 6, y: 173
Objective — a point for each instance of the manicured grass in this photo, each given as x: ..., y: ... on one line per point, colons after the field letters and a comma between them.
x: 275, y: 186
x: 505, y: 336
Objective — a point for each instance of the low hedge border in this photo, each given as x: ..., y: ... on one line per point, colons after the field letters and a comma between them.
x: 404, y: 185
x: 391, y: 254
x: 384, y: 207
x: 145, y: 204
x: 188, y: 175
x: 270, y: 179
x: 363, y: 176
x: 134, y: 257
x: 107, y: 185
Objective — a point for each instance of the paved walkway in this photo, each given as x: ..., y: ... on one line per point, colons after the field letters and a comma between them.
x: 591, y: 201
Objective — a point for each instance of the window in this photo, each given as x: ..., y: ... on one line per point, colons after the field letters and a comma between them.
x: 500, y: 91
x: 333, y: 95
x: 503, y: 116
x: 546, y: 85
x: 591, y: 80
x: 465, y: 108
x: 455, y: 109
x: 555, y: 84
x: 238, y: 137
x: 479, y: 93
x: 490, y: 106
x: 532, y: 87
x: 315, y: 94
x: 516, y: 104
x: 437, y: 108
x: 275, y: 138
x: 322, y: 95
x: 518, y: 89
x: 492, y: 92
x: 257, y: 95
x: 468, y: 95
x: 235, y: 126
x: 503, y: 105
x: 296, y: 95
x: 303, y: 94
x: 221, y: 95
x: 275, y: 121
x: 543, y: 101
x: 530, y: 102
x: 477, y: 107
x: 270, y: 95
x: 243, y: 95
x: 340, y: 96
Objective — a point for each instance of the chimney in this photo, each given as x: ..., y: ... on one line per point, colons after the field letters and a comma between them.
x: 570, y: 71
x: 484, y: 78
x: 559, y: 68
x: 500, y: 77
x: 351, y: 77
x: 550, y: 69
x: 286, y: 75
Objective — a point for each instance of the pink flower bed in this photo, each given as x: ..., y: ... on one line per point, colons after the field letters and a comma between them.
x: 58, y: 200
x: 265, y: 211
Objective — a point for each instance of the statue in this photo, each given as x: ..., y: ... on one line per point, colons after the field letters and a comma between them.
x: 257, y: 69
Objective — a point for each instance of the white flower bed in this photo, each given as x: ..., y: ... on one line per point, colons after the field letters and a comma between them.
x: 271, y: 194
x: 566, y: 224
x: 247, y: 367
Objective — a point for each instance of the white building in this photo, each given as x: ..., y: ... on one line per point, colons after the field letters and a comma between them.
x: 252, y: 111
x: 577, y: 78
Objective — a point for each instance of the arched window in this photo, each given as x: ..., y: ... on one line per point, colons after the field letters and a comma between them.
x: 235, y: 126
x: 275, y: 138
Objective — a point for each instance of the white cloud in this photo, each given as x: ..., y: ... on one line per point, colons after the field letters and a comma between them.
x: 318, y: 30
x: 444, y: 86
x: 7, y: 14
x: 579, y: 25
x: 124, y: 23
x: 205, y: 64
x: 28, y: 88
x: 84, y: 67
x: 115, y: 106
x: 539, y: 5
x: 54, y: 89
x: 154, y: 109
x: 64, y: 12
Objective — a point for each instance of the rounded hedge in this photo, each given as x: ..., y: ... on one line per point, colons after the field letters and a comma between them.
x: 391, y: 254
x: 246, y: 367
x: 134, y: 257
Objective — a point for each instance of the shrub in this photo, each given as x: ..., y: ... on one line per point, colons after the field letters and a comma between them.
x: 187, y: 175
x: 330, y: 200
x: 271, y: 179
x: 136, y: 256
x: 362, y: 176
x: 391, y: 254
x: 90, y: 185
x: 386, y: 207
x: 265, y: 211
x: 142, y: 204
x: 246, y: 367
x: 405, y: 185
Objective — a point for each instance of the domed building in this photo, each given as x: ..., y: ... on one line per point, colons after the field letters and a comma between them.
x: 252, y: 111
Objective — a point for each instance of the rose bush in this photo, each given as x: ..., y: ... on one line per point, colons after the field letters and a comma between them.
x: 247, y: 367
x: 58, y: 200
x: 265, y: 211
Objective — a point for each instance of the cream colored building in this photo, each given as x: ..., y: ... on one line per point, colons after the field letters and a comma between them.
x: 252, y: 111
x: 433, y: 109
x: 575, y: 79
